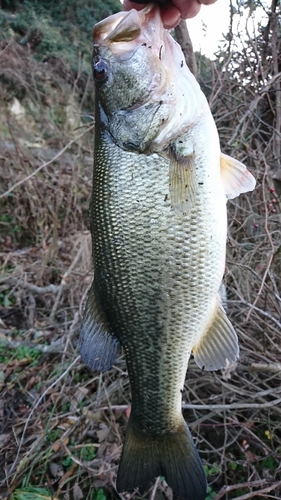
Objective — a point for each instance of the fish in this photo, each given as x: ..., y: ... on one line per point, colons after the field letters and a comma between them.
x: 159, y: 227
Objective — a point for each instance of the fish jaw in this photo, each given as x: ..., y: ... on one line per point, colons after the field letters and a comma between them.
x: 127, y: 26
x: 149, y: 89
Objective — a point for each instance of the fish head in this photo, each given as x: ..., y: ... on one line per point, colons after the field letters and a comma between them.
x: 144, y: 90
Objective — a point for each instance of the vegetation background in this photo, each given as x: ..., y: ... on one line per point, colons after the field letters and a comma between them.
x: 62, y: 426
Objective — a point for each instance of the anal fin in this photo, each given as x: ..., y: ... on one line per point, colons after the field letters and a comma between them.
x: 99, y: 347
x: 218, y: 344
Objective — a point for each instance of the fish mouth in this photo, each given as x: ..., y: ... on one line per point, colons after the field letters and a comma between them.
x: 118, y: 30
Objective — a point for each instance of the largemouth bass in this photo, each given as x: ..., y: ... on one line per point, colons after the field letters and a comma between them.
x: 158, y: 221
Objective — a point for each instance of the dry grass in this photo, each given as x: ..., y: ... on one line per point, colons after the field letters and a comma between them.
x: 63, y: 426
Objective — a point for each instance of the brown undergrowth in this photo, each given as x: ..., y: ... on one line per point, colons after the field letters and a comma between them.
x: 62, y: 426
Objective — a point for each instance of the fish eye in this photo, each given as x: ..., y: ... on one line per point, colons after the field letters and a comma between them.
x: 100, y: 70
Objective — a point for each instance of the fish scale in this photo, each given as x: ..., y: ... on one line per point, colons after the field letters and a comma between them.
x: 146, y: 259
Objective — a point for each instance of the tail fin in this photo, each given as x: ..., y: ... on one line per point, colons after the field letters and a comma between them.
x: 173, y: 456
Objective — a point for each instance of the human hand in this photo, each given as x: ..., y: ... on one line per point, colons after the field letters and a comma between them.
x: 172, y: 11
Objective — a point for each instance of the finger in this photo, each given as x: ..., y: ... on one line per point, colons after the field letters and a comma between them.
x: 128, y: 5
x: 171, y: 16
x: 189, y: 9
x: 159, y: 2
x: 207, y: 2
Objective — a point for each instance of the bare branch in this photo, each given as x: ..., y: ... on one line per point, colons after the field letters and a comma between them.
x: 250, y: 484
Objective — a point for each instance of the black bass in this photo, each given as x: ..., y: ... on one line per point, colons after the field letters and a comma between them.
x: 158, y: 216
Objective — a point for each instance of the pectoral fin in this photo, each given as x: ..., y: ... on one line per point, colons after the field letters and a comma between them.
x: 236, y: 178
x: 182, y: 182
x: 218, y: 344
x: 99, y: 347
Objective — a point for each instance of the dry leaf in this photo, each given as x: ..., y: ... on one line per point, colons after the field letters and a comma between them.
x: 60, y: 443
x: 3, y: 439
x: 56, y: 469
x: 77, y: 492
x: 228, y: 370
x: 103, y: 432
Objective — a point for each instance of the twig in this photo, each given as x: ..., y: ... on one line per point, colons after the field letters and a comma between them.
x: 255, y: 308
x: 219, y: 407
x: 271, y: 257
x: 266, y: 367
x: 5, y: 48
x: 253, y: 494
x: 35, y: 172
x: 275, y: 43
x: 55, y: 347
x: 64, y: 280
x: 253, y: 105
x: 232, y: 406
x: 154, y: 489
x: 40, y: 290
